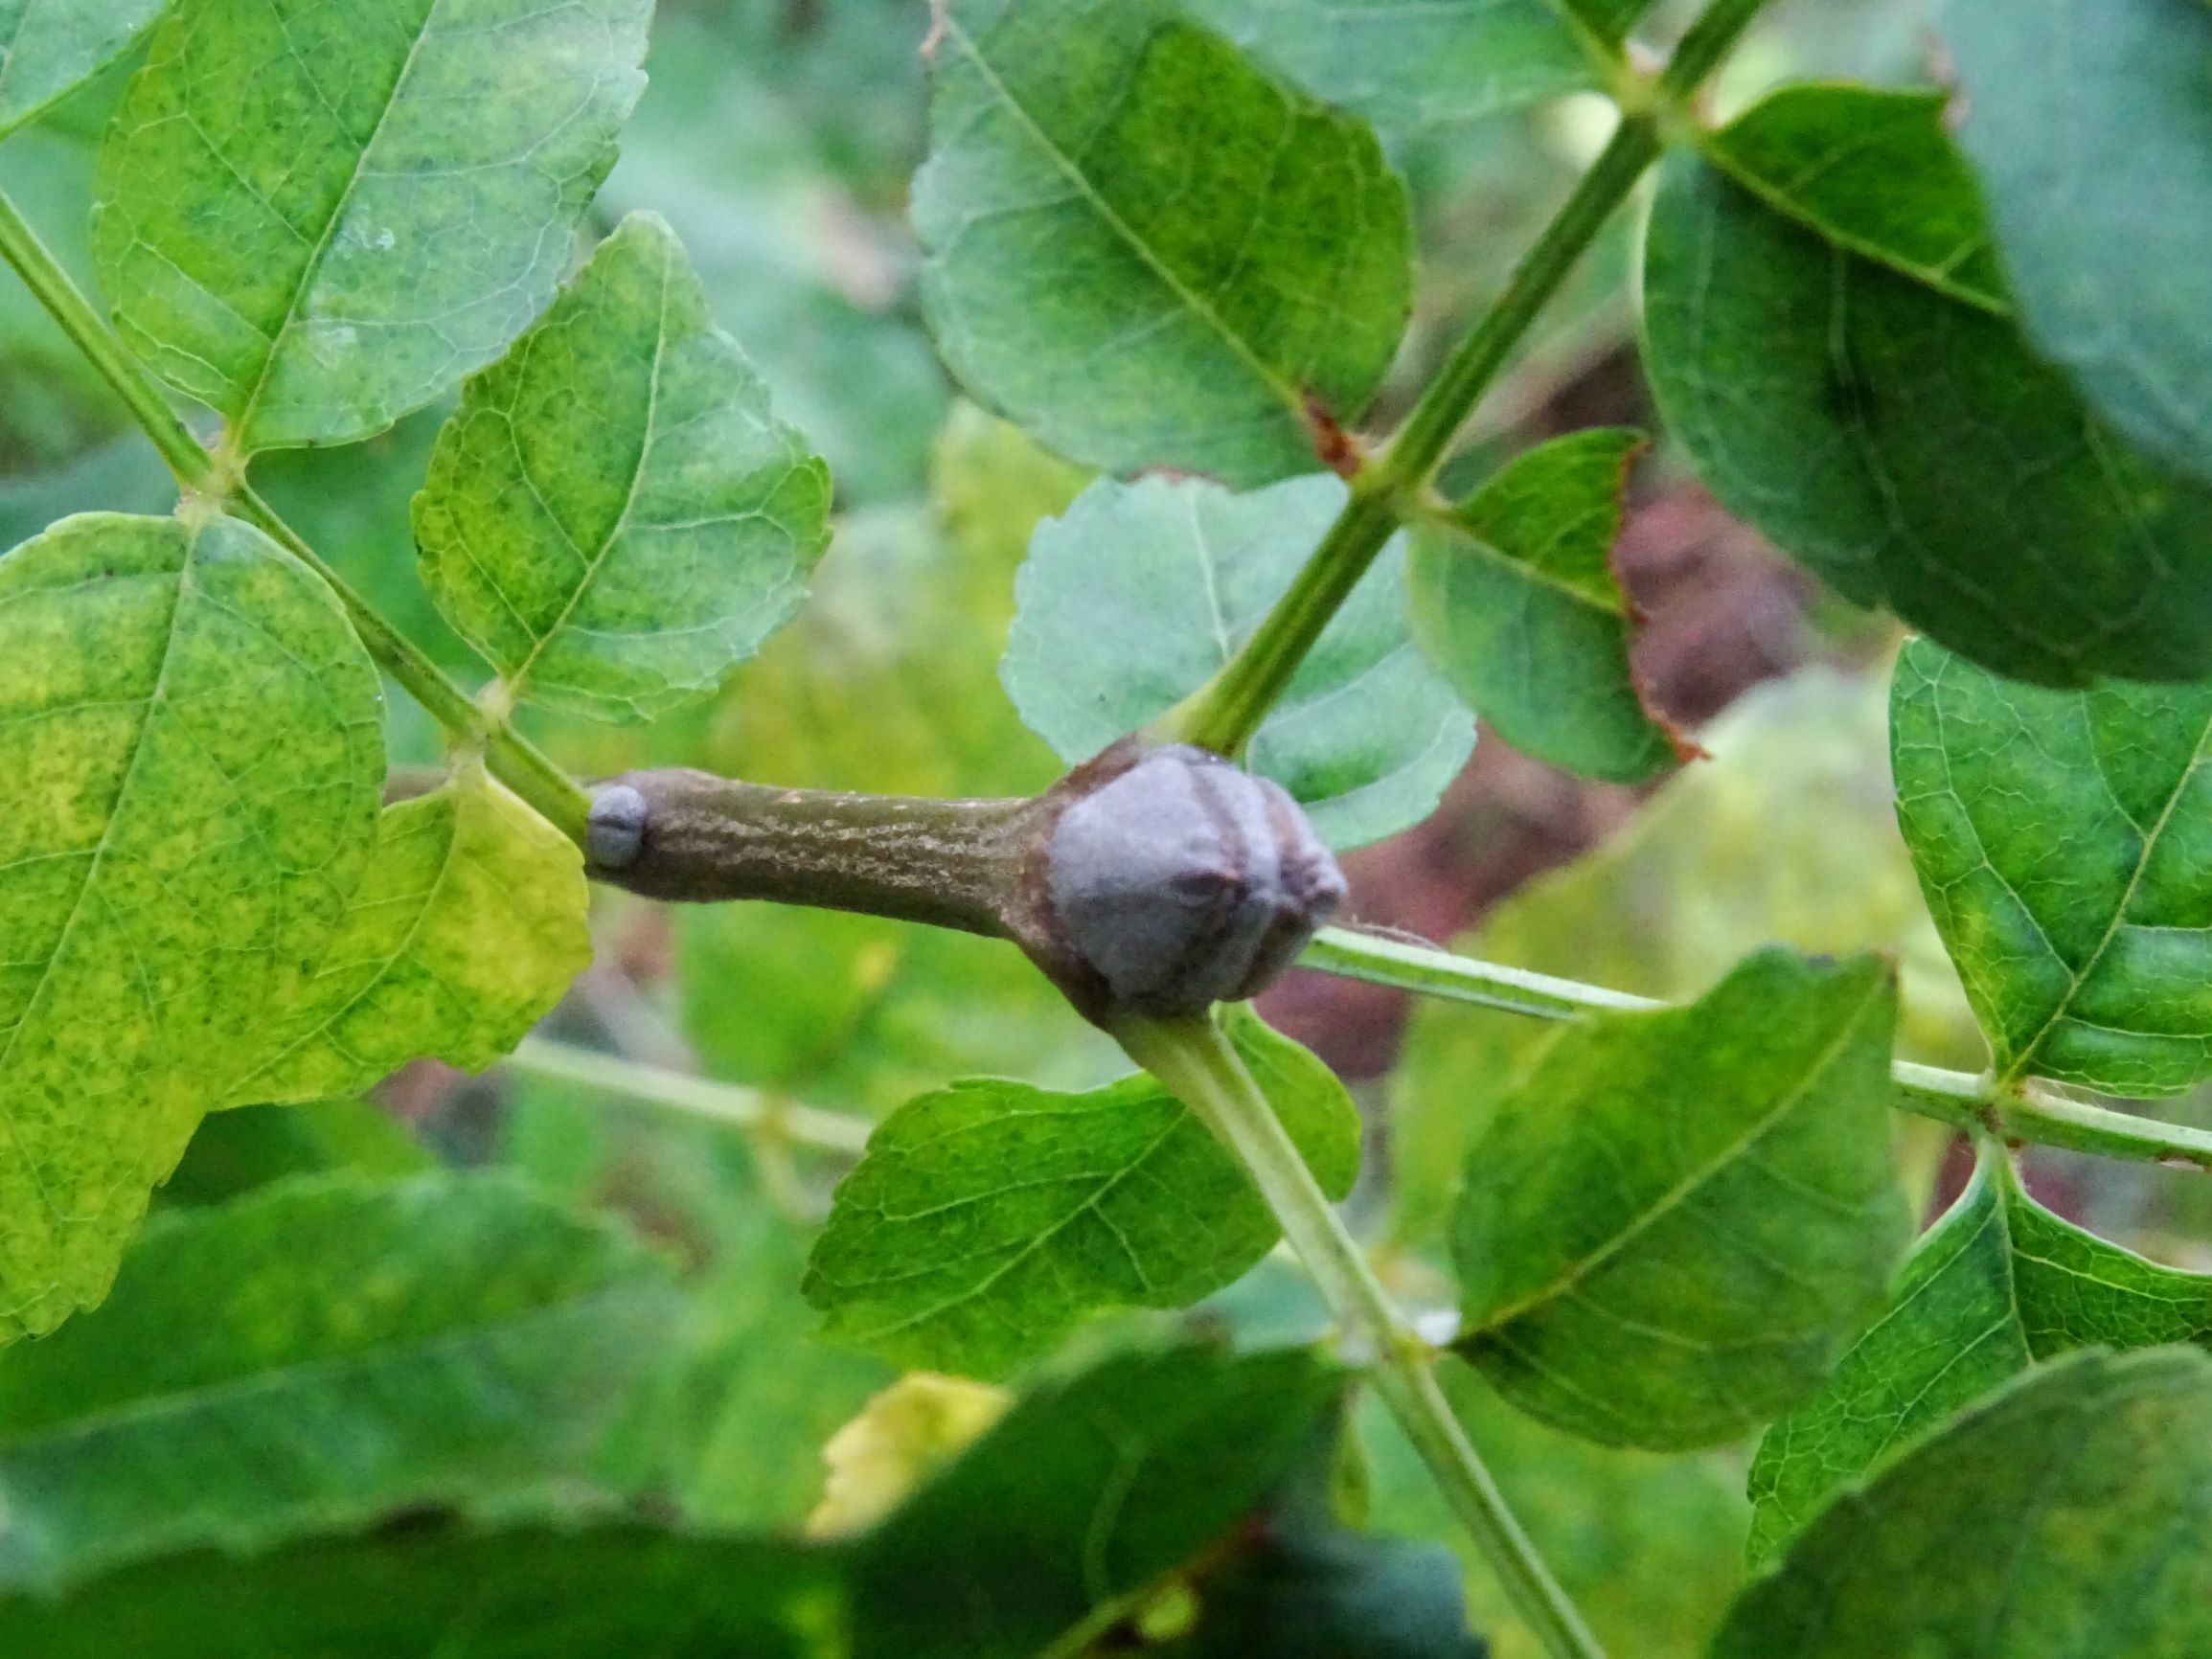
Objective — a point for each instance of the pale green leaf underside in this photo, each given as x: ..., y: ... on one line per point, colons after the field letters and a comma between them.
x: 467, y: 928
x: 613, y: 516
x: 316, y: 218
x: 352, y: 1347
x: 192, y: 732
x: 2091, y: 129
x: 2062, y: 840
x: 1997, y: 1282
x: 1145, y: 250
x: 989, y: 1218
x: 1518, y: 607
x: 48, y: 47
x: 1907, y: 445
x: 2068, y: 1517
x: 1135, y: 596
x: 1412, y: 66
x: 1676, y: 1221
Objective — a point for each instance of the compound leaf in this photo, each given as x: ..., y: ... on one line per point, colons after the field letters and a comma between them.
x: 191, y: 729
x: 1997, y: 1282
x: 49, y: 47
x: 1676, y: 1221
x: 613, y: 516
x: 2065, y: 1518
x: 444, y: 1340
x: 991, y: 1216
x: 2091, y: 133
x: 1146, y: 251
x: 1139, y: 592
x: 1902, y: 442
x: 317, y: 218
x: 463, y: 932
x: 1407, y: 68
x: 2061, y: 838
x: 1517, y: 606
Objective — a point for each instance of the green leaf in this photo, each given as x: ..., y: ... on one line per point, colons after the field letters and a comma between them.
x: 2062, y: 1519
x: 1677, y: 1220
x: 317, y: 218
x: 2093, y: 136
x: 1091, y: 1487
x: 1145, y: 250
x: 1788, y: 835
x: 441, y: 1590
x: 191, y: 727
x: 1405, y: 68
x: 613, y: 516
x: 1873, y: 173
x: 234, y: 1152
x: 49, y: 47
x: 1133, y: 597
x: 1995, y: 1283
x: 989, y: 1218
x: 447, y: 1339
x: 1517, y: 606
x: 1904, y: 444
x: 465, y: 929
x: 2089, y: 967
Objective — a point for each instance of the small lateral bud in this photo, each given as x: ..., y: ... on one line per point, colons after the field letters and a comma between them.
x: 615, y: 831
x: 1186, y: 881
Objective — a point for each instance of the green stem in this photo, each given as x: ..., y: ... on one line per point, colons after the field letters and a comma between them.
x: 42, y: 274
x: 1964, y: 1099
x: 1196, y: 1061
x: 1224, y: 713
x: 517, y: 763
x: 679, y: 1091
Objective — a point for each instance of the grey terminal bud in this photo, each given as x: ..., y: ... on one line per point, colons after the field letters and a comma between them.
x: 1186, y: 881
x: 614, y: 835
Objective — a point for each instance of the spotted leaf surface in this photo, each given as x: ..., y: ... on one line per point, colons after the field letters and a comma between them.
x: 468, y: 925
x: 614, y: 516
x: 193, y: 729
x: 317, y: 218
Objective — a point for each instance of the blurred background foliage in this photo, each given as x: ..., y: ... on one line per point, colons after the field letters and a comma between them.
x: 777, y: 138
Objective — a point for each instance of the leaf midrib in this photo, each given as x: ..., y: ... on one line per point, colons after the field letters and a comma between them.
x: 1690, y: 1185
x: 242, y: 426
x: 31, y: 1007
x: 2018, y: 1068
x: 243, y: 1385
